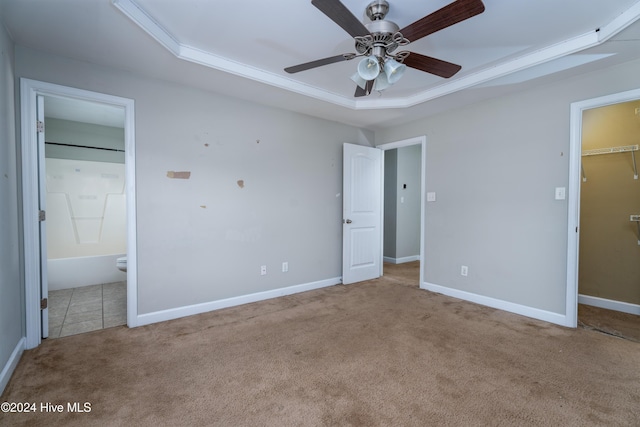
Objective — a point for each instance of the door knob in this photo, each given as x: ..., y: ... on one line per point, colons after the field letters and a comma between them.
x: 348, y: 221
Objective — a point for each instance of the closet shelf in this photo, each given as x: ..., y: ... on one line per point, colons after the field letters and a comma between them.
x: 612, y: 150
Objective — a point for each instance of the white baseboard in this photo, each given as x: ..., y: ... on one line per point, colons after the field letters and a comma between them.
x: 609, y: 304
x: 401, y: 260
x: 11, y: 364
x: 523, y: 310
x: 175, y: 313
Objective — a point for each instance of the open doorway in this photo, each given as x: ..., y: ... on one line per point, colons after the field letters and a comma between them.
x: 603, y: 277
x: 404, y: 197
x: 32, y: 97
x: 86, y: 233
x: 609, y: 253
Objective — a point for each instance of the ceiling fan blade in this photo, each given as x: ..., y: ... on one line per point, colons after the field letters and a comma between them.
x: 338, y: 13
x: 319, y: 63
x: 431, y: 65
x: 366, y: 91
x: 451, y: 14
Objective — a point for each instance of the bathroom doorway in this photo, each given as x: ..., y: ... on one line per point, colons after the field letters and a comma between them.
x: 33, y: 95
x: 86, y: 231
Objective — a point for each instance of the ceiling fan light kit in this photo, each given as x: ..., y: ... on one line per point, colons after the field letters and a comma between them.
x: 394, y: 70
x: 359, y: 80
x: 376, y: 41
x: 369, y: 68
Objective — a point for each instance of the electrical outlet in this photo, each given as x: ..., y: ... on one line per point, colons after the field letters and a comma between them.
x: 263, y: 270
x: 285, y: 267
x: 464, y: 270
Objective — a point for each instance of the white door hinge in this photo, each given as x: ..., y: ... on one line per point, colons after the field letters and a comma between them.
x: 40, y: 126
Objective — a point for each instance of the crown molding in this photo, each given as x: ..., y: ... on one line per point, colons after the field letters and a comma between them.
x: 208, y: 59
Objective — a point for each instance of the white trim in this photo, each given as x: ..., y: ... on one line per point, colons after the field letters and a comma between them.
x: 401, y: 260
x: 609, y: 304
x: 511, y: 307
x: 190, y: 310
x: 31, y: 239
x: 422, y: 140
x: 191, y: 54
x: 573, y: 197
x: 29, y: 90
x: 11, y: 364
x: 547, y: 53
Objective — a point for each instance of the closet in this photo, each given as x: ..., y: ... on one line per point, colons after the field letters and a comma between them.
x: 609, y: 265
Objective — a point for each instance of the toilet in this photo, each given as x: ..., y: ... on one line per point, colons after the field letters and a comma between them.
x: 121, y: 263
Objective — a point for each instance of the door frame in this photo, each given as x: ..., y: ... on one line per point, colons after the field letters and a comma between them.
x: 422, y: 140
x: 575, y: 175
x: 29, y: 90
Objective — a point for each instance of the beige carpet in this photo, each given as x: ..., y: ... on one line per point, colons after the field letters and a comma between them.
x: 381, y: 352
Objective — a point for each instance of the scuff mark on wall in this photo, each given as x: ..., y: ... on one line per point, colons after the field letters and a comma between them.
x: 203, y: 206
x: 206, y: 145
x: 179, y: 175
x: 241, y: 183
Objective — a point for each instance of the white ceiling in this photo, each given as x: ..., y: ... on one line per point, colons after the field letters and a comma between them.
x: 240, y: 48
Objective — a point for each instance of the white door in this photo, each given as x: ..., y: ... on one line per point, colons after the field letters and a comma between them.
x: 42, y: 206
x: 362, y: 213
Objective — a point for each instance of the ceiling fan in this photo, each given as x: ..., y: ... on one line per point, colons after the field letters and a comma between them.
x: 377, y: 40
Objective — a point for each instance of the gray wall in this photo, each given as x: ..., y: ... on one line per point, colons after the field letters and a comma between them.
x: 390, y: 202
x: 402, y: 166
x: 83, y: 134
x: 11, y: 289
x: 204, y: 239
x: 408, y: 201
x: 494, y: 167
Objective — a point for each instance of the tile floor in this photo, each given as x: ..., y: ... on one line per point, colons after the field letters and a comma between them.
x: 89, y: 308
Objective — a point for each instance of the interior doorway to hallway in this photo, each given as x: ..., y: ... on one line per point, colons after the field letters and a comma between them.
x: 404, y: 198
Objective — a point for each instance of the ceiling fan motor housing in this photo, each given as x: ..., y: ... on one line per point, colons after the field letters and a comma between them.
x: 377, y: 10
x: 381, y: 40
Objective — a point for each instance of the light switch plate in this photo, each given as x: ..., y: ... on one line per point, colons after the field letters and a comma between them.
x: 431, y: 196
x: 560, y: 193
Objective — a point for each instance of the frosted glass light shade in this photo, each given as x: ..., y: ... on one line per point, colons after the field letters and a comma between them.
x: 394, y: 70
x: 359, y: 80
x: 381, y: 82
x: 369, y: 68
